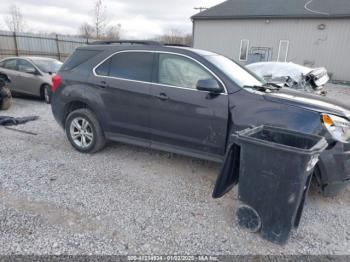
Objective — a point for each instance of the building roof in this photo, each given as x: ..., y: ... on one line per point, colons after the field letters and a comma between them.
x: 245, y: 9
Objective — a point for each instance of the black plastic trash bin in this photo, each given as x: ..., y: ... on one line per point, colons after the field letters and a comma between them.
x: 275, y: 174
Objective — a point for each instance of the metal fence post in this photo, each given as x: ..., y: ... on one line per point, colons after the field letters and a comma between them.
x: 16, y: 44
x: 58, y: 47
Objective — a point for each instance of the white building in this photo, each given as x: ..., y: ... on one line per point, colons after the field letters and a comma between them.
x: 308, y: 32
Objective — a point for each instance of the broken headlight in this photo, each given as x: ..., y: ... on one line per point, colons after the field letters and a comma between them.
x: 338, y: 127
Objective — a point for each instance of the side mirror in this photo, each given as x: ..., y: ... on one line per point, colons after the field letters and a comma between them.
x: 210, y: 85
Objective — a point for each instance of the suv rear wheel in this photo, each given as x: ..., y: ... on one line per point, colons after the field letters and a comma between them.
x: 84, y: 131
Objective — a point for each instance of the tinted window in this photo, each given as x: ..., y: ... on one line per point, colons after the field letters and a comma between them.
x: 78, y: 57
x: 132, y: 65
x: 24, y: 66
x: 2, y: 64
x: 180, y: 71
x: 11, y: 64
x: 103, y: 70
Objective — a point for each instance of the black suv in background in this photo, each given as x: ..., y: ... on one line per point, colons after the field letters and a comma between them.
x: 186, y: 101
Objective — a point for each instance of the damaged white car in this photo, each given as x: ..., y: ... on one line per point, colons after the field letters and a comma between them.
x: 292, y: 75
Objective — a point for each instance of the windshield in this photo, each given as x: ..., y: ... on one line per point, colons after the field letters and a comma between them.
x: 235, y: 72
x: 47, y: 66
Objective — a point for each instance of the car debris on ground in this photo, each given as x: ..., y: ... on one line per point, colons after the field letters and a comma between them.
x: 14, y: 121
x: 5, y: 93
x: 5, y: 104
x: 292, y: 75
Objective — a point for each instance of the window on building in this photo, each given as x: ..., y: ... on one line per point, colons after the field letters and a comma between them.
x: 243, y: 53
x: 283, y: 51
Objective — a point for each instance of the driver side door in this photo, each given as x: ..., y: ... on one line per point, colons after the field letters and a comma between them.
x: 183, y: 119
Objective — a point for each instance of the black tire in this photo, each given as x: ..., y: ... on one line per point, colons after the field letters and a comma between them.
x: 98, y: 140
x: 46, y: 94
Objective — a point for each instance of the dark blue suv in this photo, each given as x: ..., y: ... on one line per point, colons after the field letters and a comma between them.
x: 186, y: 101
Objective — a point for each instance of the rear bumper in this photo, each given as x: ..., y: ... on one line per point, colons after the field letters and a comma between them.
x: 57, y: 110
x: 334, y: 169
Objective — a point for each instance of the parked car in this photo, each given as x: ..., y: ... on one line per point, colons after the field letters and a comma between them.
x: 5, y: 94
x: 31, y: 75
x: 189, y: 102
x: 292, y: 75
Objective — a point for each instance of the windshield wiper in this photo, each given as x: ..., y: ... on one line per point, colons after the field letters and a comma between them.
x: 267, y: 87
x: 269, y: 84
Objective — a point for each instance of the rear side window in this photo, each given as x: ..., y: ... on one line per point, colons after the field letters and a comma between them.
x: 103, y: 69
x: 128, y: 65
x: 78, y: 57
x: 11, y: 64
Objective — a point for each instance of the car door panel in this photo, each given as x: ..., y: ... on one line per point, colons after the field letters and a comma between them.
x: 28, y: 83
x: 182, y: 116
x: 189, y: 119
x: 127, y: 101
x: 10, y: 68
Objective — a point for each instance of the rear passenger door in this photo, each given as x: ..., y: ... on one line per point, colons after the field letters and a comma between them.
x: 9, y: 67
x: 125, y: 82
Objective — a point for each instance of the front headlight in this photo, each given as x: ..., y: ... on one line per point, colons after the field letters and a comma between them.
x: 338, y: 127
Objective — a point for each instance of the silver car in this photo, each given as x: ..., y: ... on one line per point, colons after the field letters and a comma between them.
x: 30, y: 75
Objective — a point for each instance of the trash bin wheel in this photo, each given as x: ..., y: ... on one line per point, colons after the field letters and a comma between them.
x: 249, y: 219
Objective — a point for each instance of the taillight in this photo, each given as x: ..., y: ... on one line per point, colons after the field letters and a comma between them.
x: 56, y: 81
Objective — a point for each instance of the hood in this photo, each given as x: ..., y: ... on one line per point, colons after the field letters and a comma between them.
x: 310, y: 102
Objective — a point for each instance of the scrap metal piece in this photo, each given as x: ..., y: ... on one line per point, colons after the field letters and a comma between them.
x: 13, y: 121
x: 292, y: 75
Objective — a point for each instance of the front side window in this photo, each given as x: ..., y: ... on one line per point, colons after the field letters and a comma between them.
x: 47, y: 66
x: 130, y: 66
x: 11, y: 64
x: 25, y: 66
x: 180, y: 71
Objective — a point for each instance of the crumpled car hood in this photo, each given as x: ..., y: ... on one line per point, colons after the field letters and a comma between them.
x: 310, y: 101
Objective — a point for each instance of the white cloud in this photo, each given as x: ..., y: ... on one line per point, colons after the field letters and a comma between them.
x: 139, y: 19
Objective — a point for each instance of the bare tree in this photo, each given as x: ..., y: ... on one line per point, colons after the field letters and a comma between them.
x: 86, y: 30
x: 113, y: 32
x: 100, y: 28
x: 15, y: 21
x: 175, y: 36
x: 99, y: 18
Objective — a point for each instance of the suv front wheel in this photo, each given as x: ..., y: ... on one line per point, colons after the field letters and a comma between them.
x: 84, y: 131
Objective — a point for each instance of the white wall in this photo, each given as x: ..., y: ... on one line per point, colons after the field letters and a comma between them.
x: 329, y: 47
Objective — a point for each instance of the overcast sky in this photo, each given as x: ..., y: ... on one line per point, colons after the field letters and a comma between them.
x: 139, y: 18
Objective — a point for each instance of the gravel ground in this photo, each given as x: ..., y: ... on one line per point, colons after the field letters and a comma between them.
x: 131, y: 200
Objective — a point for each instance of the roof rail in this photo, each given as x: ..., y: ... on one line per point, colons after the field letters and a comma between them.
x: 127, y: 42
x: 177, y: 45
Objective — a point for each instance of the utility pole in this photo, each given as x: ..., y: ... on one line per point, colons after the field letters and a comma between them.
x: 201, y: 8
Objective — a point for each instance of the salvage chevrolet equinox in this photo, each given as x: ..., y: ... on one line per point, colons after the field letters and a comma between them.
x: 187, y: 101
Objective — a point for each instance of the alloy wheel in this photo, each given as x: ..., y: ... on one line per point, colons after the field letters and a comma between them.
x: 81, y: 132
